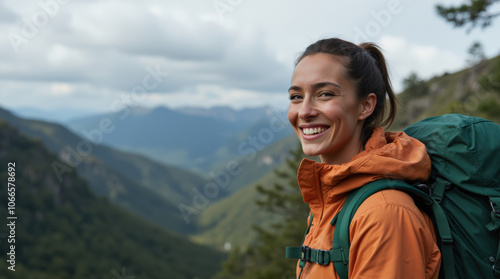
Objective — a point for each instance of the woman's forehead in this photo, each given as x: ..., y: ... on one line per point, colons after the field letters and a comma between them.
x: 319, y: 67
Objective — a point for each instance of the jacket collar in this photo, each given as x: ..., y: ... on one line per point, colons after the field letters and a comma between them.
x: 386, y: 155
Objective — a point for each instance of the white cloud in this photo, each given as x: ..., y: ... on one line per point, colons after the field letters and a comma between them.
x: 425, y: 60
x: 58, y: 55
x: 107, y: 44
x: 209, y: 96
x: 92, y: 52
x: 61, y: 89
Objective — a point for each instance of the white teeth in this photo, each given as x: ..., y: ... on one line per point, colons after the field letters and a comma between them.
x: 312, y: 131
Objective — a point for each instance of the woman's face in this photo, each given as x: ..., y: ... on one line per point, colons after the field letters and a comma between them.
x: 324, y: 110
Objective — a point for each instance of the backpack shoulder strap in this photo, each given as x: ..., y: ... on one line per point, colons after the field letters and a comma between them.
x: 494, y: 225
x: 341, y: 239
x: 299, y: 252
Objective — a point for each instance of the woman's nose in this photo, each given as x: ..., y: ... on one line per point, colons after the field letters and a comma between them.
x: 307, y: 110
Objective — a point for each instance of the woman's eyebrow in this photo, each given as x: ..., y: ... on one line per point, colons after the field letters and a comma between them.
x: 294, y: 88
x: 319, y: 85
x: 315, y: 86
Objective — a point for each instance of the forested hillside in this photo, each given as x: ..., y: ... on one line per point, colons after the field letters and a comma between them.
x: 63, y: 230
x: 473, y: 91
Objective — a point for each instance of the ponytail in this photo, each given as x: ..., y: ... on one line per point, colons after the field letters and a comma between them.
x: 378, y: 116
x: 366, y: 67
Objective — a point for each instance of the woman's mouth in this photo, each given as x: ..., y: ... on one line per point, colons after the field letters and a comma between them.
x: 310, y: 133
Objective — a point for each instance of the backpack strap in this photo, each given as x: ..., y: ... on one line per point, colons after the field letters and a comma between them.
x: 445, y: 240
x: 302, y: 252
x: 494, y: 226
x: 341, y: 239
x: 307, y: 254
x: 438, y: 188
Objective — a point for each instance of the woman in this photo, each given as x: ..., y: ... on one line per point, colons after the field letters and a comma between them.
x: 337, y: 108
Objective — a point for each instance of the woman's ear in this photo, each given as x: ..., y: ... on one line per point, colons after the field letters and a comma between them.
x: 367, y: 106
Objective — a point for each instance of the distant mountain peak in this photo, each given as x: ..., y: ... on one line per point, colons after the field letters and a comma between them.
x: 218, y: 112
x: 227, y: 113
x: 141, y: 110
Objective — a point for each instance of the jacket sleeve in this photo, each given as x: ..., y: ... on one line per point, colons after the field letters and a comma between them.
x: 390, y: 238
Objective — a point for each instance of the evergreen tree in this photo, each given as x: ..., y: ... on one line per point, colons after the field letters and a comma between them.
x: 415, y: 84
x: 476, y: 53
x: 266, y: 259
x: 474, y: 13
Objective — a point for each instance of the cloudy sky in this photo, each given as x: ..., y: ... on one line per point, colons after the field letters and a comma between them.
x: 101, y: 55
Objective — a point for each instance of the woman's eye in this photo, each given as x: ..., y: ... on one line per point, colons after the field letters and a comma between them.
x: 295, y: 97
x: 326, y: 94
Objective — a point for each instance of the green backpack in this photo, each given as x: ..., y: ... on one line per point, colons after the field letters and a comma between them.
x: 464, y: 200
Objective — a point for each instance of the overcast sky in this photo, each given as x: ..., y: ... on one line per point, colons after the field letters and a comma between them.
x: 100, y: 55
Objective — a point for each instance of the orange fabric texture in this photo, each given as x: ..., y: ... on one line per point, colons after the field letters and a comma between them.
x: 390, y: 237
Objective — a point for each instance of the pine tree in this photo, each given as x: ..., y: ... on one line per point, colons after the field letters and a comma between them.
x: 266, y: 259
x: 474, y: 13
x: 476, y: 53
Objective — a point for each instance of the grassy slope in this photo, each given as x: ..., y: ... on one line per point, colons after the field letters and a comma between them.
x: 254, y: 168
x: 231, y: 219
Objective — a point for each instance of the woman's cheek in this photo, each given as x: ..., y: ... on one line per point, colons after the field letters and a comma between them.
x: 292, y: 114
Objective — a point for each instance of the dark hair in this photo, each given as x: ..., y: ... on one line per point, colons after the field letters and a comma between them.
x: 366, y: 67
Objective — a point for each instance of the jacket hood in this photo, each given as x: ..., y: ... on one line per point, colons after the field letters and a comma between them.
x: 392, y: 155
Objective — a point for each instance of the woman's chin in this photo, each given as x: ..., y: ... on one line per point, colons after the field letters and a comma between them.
x: 310, y: 151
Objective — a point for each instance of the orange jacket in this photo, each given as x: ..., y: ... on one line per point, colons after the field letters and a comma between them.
x: 390, y: 237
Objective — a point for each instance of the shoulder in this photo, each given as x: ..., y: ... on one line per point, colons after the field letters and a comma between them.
x: 390, y: 238
x: 388, y: 198
x: 390, y: 209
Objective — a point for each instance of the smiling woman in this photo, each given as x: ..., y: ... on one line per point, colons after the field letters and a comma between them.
x: 324, y: 109
x: 337, y: 108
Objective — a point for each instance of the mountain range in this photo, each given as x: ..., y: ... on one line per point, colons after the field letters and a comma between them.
x: 151, y: 190
x: 196, y: 139
x: 61, y: 229
x: 133, y: 182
